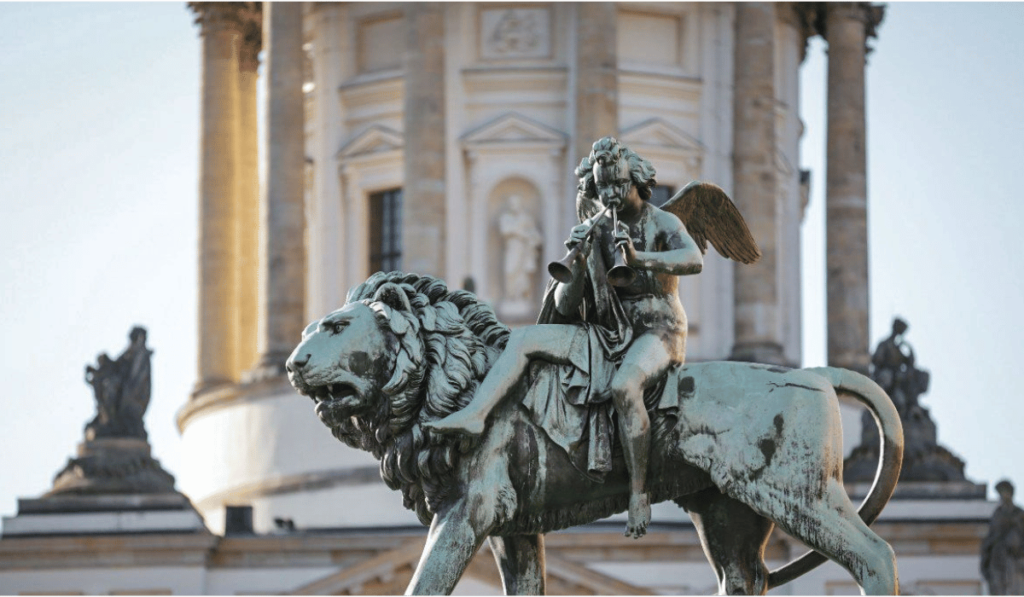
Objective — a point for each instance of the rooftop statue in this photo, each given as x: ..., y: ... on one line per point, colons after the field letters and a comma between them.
x: 121, y: 388
x: 894, y: 368
x: 504, y: 436
x: 115, y: 457
x: 1002, y: 551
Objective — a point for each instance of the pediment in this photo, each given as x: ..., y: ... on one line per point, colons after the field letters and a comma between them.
x: 374, y: 139
x: 513, y: 128
x: 656, y: 132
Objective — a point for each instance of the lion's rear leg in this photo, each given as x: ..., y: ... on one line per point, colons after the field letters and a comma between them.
x: 832, y: 526
x: 734, y: 538
x: 521, y: 562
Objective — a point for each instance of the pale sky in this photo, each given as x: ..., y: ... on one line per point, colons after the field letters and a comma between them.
x: 98, y: 186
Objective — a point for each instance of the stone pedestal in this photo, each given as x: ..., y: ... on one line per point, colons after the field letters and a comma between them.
x: 119, y: 465
x: 104, y: 514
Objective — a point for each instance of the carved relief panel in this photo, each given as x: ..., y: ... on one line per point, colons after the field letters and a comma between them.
x: 515, y: 33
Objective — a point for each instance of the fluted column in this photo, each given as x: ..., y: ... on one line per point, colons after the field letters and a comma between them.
x: 423, y: 196
x: 597, y: 82
x: 282, y: 214
x: 218, y: 168
x: 758, y: 335
x: 248, y: 208
x: 847, y: 26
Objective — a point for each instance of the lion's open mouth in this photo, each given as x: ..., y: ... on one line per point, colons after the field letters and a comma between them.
x: 335, y: 400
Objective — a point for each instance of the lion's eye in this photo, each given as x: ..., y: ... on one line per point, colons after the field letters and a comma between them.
x: 338, y: 326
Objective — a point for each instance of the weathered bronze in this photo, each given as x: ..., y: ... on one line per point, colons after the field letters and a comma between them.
x: 500, y: 435
x: 639, y: 328
x: 1002, y: 551
x: 561, y: 270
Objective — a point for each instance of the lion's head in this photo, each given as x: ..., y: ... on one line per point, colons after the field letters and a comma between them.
x: 403, y: 351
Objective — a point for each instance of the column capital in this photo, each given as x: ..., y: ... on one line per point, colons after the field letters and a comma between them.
x: 812, y: 17
x: 223, y: 16
x: 252, y: 38
x: 869, y: 14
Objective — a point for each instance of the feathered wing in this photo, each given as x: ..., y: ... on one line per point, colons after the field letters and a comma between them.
x: 709, y: 215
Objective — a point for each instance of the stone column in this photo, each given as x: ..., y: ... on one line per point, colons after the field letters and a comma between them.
x: 218, y: 186
x: 282, y: 287
x: 847, y: 26
x: 423, y: 196
x: 248, y: 208
x: 597, y: 81
x: 756, y: 296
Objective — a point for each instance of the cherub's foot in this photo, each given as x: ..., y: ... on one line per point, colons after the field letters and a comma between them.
x: 458, y: 423
x: 639, y: 515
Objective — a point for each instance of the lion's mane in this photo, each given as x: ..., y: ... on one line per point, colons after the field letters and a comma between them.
x: 447, y: 342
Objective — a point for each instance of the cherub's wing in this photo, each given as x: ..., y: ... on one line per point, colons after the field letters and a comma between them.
x: 709, y: 215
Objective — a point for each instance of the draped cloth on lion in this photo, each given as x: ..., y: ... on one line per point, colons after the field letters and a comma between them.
x: 571, y: 402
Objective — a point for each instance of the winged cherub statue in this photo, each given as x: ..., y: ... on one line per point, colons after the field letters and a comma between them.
x: 622, y: 336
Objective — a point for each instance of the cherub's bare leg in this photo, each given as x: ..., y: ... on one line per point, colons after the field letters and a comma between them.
x: 548, y: 342
x: 647, y: 358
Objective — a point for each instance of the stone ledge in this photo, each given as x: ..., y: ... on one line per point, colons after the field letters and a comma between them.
x: 925, y: 490
x: 104, y: 503
x: 89, y: 523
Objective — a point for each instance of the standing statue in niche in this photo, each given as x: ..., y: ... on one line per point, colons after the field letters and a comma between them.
x: 122, y: 390
x: 743, y: 447
x: 1002, y: 551
x: 522, y: 241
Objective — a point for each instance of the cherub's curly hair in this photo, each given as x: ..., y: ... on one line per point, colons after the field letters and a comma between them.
x: 447, y: 342
x: 641, y: 171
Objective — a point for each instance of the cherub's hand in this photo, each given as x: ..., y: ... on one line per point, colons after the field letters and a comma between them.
x: 623, y: 240
x: 577, y: 235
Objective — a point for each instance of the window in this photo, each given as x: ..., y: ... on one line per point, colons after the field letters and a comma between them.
x: 386, y: 231
x: 661, y: 194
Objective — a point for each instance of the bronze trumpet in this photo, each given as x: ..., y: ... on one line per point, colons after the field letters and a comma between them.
x: 620, y: 274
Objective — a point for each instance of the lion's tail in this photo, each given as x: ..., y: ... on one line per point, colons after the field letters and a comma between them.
x: 881, y: 407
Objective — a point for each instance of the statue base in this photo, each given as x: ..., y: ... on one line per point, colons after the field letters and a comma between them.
x: 104, y: 514
x: 112, y: 466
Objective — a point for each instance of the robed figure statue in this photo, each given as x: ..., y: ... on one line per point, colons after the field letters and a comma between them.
x: 122, y: 390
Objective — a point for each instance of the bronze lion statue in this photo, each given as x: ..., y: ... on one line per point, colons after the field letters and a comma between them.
x: 742, y: 447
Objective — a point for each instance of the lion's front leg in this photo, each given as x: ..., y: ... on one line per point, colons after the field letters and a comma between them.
x: 451, y: 543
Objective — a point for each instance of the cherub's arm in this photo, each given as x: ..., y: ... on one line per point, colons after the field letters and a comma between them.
x: 680, y: 257
x: 568, y: 296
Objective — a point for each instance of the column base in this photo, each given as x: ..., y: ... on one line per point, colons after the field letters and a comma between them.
x: 270, y: 366
x: 760, y: 352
